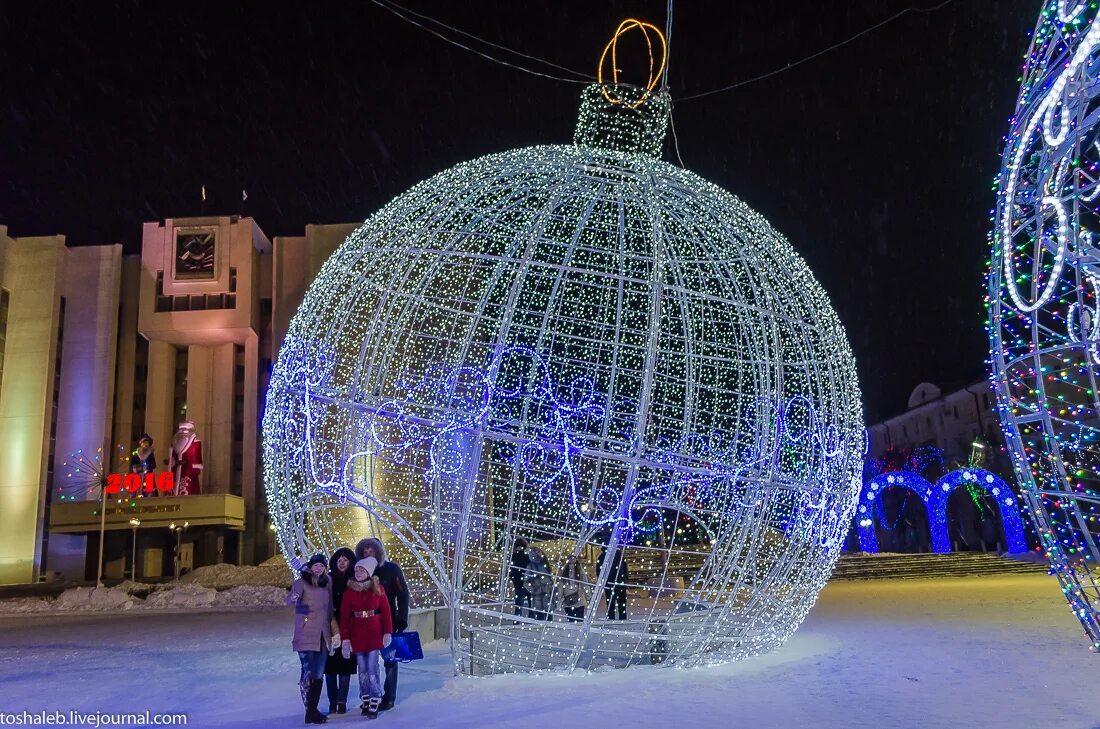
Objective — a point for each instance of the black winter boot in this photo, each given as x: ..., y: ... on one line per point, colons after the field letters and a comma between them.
x: 342, y: 694
x: 313, y: 716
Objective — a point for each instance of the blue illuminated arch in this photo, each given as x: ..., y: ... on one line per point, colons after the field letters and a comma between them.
x: 998, y: 489
x: 872, y: 490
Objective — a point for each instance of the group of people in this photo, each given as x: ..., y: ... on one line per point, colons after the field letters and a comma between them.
x: 347, y: 608
x: 537, y: 592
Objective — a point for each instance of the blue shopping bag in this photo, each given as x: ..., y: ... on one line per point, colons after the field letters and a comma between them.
x: 403, y: 647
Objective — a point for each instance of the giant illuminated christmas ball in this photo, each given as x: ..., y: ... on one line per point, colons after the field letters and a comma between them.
x: 1044, y: 281
x: 590, y: 349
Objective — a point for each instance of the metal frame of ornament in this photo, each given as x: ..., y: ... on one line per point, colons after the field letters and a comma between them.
x: 1044, y: 314
x: 576, y: 345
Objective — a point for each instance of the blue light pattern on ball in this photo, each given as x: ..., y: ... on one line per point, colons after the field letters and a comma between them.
x: 588, y: 348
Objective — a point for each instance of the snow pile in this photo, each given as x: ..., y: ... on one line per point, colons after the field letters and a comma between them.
x: 187, y: 596
x: 1029, y: 556
x: 196, y: 596
x: 224, y: 576
x: 258, y: 596
x: 26, y: 604
x: 169, y: 597
x: 96, y: 598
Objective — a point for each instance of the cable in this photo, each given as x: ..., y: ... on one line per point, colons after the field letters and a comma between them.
x: 422, y: 16
x: 393, y: 8
x: 668, y: 48
x: 675, y: 139
x: 819, y: 53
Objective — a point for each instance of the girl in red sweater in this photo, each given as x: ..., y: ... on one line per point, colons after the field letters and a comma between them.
x: 366, y: 625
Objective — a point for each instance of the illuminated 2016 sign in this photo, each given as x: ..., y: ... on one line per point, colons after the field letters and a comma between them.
x: 135, y: 482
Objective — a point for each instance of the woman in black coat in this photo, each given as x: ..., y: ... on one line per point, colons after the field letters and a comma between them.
x: 339, y: 670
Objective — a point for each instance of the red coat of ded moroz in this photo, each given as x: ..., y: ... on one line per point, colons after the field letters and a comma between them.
x: 365, y: 634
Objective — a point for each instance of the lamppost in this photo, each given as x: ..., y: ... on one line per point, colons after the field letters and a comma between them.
x: 102, y: 529
x: 977, y: 453
x: 135, y: 523
x: 178, y: 529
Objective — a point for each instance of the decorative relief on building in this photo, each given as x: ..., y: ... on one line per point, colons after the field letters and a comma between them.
x: 195, y: 254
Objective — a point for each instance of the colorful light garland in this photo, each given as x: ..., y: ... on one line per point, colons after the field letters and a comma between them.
x: 1043, y: 306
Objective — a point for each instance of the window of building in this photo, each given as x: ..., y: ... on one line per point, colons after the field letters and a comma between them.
x: 196, y: 302
x: 179, y: 395
x: 237, y: 450
x: 141, y: 380
x: 5, y: 304
x: 52, y: 451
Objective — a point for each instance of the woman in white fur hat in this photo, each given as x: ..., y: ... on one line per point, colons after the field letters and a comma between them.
x: 366, y: 626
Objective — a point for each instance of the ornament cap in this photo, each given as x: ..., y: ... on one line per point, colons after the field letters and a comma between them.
x: 623, y: 118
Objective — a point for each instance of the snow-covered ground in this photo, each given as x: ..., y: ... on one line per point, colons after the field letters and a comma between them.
x: 974, y: 652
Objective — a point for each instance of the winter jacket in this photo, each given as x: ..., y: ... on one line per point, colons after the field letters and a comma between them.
x: 336, y: 663
x: 518, y: 571
x: 393, y: 582
x: 619, y: 572
x: 573, y: 582
x: 340, y: 579
x: 364, y: 632
x: 312, y: 605
x: 538, y: 581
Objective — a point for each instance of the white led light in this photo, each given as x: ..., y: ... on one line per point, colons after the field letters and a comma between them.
x: 577, y: 345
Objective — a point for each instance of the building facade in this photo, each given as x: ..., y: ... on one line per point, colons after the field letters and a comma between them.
x: 951, y: 422
x: 98, y: 348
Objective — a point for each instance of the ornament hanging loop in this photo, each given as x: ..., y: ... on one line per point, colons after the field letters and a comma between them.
x: 655, y: 70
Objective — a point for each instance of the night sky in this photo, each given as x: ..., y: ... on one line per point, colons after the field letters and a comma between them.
x: 875, y: 159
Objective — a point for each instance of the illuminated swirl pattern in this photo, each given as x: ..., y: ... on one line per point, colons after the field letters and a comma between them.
x: 1044, y: 321
x: 583, y: 346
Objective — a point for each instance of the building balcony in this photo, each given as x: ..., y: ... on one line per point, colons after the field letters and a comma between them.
x: 78, y: 517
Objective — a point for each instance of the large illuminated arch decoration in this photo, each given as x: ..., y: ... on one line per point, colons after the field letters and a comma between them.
x: 567, y: 344
x: 1044, y: 297
x: 872, y: 492
x: 1002, y: 494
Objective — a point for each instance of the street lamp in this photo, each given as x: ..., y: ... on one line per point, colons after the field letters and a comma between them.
x: 135, y: 523
x: 178, y: 529
x: 102, y: 530
x: 977, y: 453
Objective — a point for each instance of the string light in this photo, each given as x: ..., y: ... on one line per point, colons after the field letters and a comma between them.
x: 589, y: 348
x: 934, y: 497
x: 1042, y: 301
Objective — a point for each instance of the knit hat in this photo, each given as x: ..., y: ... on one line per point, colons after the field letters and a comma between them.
x: 367, y: 563
x: 316, y: 559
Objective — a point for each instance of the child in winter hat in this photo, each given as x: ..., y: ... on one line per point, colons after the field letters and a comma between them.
x: 366, y: 626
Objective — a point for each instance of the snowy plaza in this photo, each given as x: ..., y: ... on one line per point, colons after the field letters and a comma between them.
x: 526, y: 408
x: 996, y: 651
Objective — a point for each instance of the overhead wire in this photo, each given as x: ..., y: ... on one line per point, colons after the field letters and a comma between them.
x: 410, y: 16
x: 818, y: 54
x: 404, y: 14
x: 664, y: 82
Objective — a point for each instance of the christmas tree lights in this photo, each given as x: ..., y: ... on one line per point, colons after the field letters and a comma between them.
x: 593, y: 350
x: 1043, y: 306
